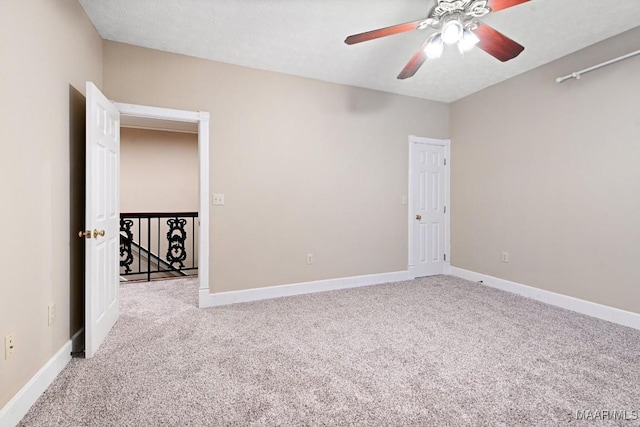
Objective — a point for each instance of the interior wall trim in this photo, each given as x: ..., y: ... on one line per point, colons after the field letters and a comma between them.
x: 225, y: 298
x: 20, y: 404
x: 600, y: 311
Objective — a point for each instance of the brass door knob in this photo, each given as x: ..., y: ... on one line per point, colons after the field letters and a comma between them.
x: 418, y: 217
x: 83, y: 233
x: 97, y: 233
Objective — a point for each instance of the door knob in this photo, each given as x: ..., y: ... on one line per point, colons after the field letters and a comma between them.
x: 418, y: 217
x: 97, y: 233
x: 83, y: 233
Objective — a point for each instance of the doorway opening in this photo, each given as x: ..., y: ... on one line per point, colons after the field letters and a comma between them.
x: 163, y: 121
x: 159, y: 227
x: 98, y: 279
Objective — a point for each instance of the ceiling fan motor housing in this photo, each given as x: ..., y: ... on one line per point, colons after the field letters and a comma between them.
x: 464, y: 11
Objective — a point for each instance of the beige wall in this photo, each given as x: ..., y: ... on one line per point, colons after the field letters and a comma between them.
x: 305, y: 166
x: 550, y: 173
x: 48, y: 48
x: 158, y: 171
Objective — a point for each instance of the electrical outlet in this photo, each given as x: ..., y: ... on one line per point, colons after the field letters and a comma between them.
x: 52, y: 313
x: 9, y: 345
x: 309, y: 259
x: 217, y: 199
x: 505, y: 256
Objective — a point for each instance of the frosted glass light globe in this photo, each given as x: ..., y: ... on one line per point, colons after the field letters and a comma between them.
x: 452, y: 32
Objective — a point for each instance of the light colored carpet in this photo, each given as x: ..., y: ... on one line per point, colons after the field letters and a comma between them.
x: 433, y: 351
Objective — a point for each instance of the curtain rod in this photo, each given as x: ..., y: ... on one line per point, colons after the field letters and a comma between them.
x: 578, y: 74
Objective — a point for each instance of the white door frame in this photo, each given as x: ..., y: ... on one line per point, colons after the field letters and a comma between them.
x: 202, y: 119
x: 446, y: 143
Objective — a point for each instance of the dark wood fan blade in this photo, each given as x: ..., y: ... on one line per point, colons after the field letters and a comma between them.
x: 497, y: 5
x: 382, y: 32
x: 414, y: 63
x: 497, y: 44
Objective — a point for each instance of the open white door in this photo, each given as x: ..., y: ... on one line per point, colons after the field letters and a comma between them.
x: 102, y: 219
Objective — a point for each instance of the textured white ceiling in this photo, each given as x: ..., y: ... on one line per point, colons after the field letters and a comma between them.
x: 306, y: 38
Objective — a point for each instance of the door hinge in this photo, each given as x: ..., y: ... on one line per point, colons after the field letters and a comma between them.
x: 445, y: 209
x: 445, y: 161
x: 445, y: 257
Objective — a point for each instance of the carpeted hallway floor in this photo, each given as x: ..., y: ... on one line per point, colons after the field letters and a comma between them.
x: 429, y: 352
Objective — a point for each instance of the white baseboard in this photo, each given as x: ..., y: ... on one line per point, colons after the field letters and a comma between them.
x: 614, y: 315
x: 225, y: 298
x: 18, y: 407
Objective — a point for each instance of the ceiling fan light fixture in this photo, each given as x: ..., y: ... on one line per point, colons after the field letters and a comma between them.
x: 452, y: 31
x: 454, y: 22
x: 468, y: 41
x: 434, y: 47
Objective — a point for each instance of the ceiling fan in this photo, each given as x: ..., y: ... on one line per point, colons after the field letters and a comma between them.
x: 455, y: 22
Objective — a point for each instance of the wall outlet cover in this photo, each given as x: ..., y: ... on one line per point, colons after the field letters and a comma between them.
x: 9, y: 345
x: 52, y: 313
x: 217, y: 199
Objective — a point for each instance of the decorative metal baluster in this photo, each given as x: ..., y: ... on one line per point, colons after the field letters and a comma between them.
x: 176, y: 236
x: 126, y: 256
x: 177, y: 254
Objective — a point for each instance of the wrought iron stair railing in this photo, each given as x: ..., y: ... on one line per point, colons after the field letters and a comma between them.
x: 158, y: 244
